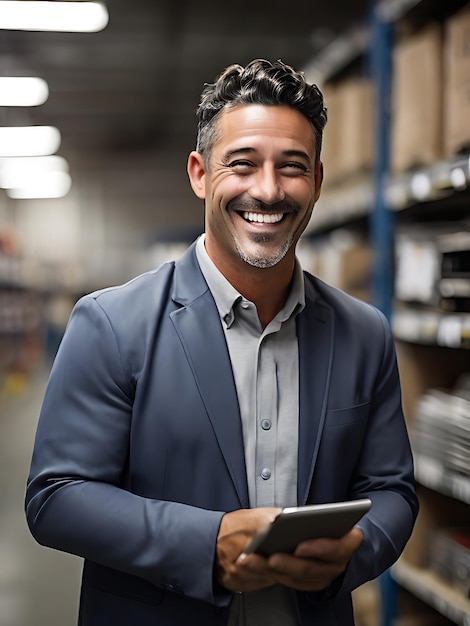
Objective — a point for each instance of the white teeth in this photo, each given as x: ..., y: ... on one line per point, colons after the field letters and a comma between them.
x: 263, y: 218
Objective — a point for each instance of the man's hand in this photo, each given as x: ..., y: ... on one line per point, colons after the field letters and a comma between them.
x: 236, y: 530
x: 314, y: 565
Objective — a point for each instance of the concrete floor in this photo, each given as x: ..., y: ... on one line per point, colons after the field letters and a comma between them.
x: 38, y: 586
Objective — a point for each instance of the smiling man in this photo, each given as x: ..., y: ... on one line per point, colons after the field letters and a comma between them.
x: 262, y: 181
x: 187, y: 407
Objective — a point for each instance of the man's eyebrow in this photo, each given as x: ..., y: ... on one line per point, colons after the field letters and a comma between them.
x: 247, y: 150
x: 230, y: 153
x: 297, y: 153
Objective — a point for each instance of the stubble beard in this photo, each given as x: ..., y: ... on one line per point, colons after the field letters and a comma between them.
x: 266, y: 259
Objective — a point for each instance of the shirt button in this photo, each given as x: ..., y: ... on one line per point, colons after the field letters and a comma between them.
x: 266, y: 473
x: 245, y: 304
x: 265, y: 424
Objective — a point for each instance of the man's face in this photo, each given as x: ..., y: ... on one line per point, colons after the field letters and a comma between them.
x: 261, y: 185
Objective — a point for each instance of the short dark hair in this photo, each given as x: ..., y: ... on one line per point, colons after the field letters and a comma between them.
x: 260, y: 82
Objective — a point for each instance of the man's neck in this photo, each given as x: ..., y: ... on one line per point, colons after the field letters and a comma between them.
x: 267, y: 288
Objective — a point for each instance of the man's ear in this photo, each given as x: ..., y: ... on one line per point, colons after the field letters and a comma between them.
x: 197, y: 174
x: 318, y: 178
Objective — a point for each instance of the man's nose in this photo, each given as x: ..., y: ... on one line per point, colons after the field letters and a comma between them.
x: 267, y: 187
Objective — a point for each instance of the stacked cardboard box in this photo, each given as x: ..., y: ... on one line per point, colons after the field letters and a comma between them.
x: 457, y: 83
x: 417, y: 100
x: 348, y: 146
x: 431, y: 94
x: 342, y: 259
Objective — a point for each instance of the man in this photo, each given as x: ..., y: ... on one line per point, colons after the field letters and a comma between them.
x: 187, y: 406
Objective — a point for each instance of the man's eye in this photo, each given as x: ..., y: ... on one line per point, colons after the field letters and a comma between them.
x: 294, y: 165
x: 240, y: 165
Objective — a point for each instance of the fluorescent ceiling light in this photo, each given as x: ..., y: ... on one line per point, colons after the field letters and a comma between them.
x: 22, y: 91
x: 45, y: 185
x: 15, y: 171
x: 28, y: 140
x: 53, y: 16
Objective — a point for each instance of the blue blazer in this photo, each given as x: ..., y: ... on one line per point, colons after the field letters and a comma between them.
x: 139, y: 448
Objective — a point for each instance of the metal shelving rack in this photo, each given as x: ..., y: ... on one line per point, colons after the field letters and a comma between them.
x: 379, y: 199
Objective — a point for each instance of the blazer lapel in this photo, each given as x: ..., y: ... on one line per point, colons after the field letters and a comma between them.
x: 315, y: 336
x: 199, y: 328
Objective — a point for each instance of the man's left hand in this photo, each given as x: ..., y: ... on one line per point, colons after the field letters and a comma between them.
x: 315, y: 564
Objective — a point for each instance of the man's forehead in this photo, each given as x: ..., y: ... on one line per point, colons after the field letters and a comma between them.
x: 255, y: 123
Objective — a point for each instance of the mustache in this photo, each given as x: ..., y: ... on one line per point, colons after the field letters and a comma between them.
x: 256, y: 206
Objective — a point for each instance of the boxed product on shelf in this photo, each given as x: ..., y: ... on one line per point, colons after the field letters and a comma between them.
x: 417, y: 267
x: 457, y: 83
x: 348, y: 144
x: 355, y: 126
x: 417, y: 100
x: 449, y: 556
x: 331, y: 138
x: 342, y: 259
x: 454, y: 284
x: 441, y: 427
x: 433, y: 266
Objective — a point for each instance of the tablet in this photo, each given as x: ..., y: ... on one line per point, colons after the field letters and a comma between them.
x: 296, y: 524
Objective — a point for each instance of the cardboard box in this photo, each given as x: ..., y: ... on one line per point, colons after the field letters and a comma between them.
x: 344, y: 260
x: 417, y: 100
x: 457, y: 83
x: 355, y: 126
x: 330, y: 146
x: 348, y: 141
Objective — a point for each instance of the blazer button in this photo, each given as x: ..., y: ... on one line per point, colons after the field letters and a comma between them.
x: 220, y: 610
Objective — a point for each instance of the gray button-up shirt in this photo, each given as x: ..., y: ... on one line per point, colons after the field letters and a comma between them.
x: 266, y: 371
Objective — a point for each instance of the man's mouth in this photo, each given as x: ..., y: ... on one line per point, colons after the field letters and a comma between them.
x: 262, y: 218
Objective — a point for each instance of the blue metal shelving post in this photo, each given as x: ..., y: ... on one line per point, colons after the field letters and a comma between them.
x: 381, y: 223
x: 381, y: 219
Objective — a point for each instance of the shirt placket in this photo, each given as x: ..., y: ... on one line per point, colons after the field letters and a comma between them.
x: 266, y: 423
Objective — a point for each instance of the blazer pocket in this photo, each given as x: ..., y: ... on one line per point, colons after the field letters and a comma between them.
x: 341, y: 445
x: 354, y: 415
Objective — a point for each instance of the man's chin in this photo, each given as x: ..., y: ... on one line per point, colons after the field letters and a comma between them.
x: 262, y: 259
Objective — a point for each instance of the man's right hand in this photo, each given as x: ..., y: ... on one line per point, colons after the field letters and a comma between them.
x: 236, y: 530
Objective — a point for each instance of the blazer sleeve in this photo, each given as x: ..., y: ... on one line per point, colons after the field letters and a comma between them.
x: 385, y: 474
x: 74, y: 501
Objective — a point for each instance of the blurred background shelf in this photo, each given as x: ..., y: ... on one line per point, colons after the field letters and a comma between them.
x: 433, y: 475
x: 433, y: 591
x: 432, y: 328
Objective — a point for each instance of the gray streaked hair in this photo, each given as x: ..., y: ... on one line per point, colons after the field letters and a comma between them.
x: 260, y: 82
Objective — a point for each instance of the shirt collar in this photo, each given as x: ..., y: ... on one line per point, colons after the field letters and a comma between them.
x: 227, y: 297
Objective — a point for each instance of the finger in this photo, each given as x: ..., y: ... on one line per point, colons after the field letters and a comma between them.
x: 327, y: 550
x: 248, y: 573
x: 304, y: 574
x: 331, y: 549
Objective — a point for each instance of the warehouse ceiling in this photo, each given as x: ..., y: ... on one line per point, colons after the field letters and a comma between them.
x: 124, y: 99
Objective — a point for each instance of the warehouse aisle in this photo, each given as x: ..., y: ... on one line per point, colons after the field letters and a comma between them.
x: 38, y: 586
